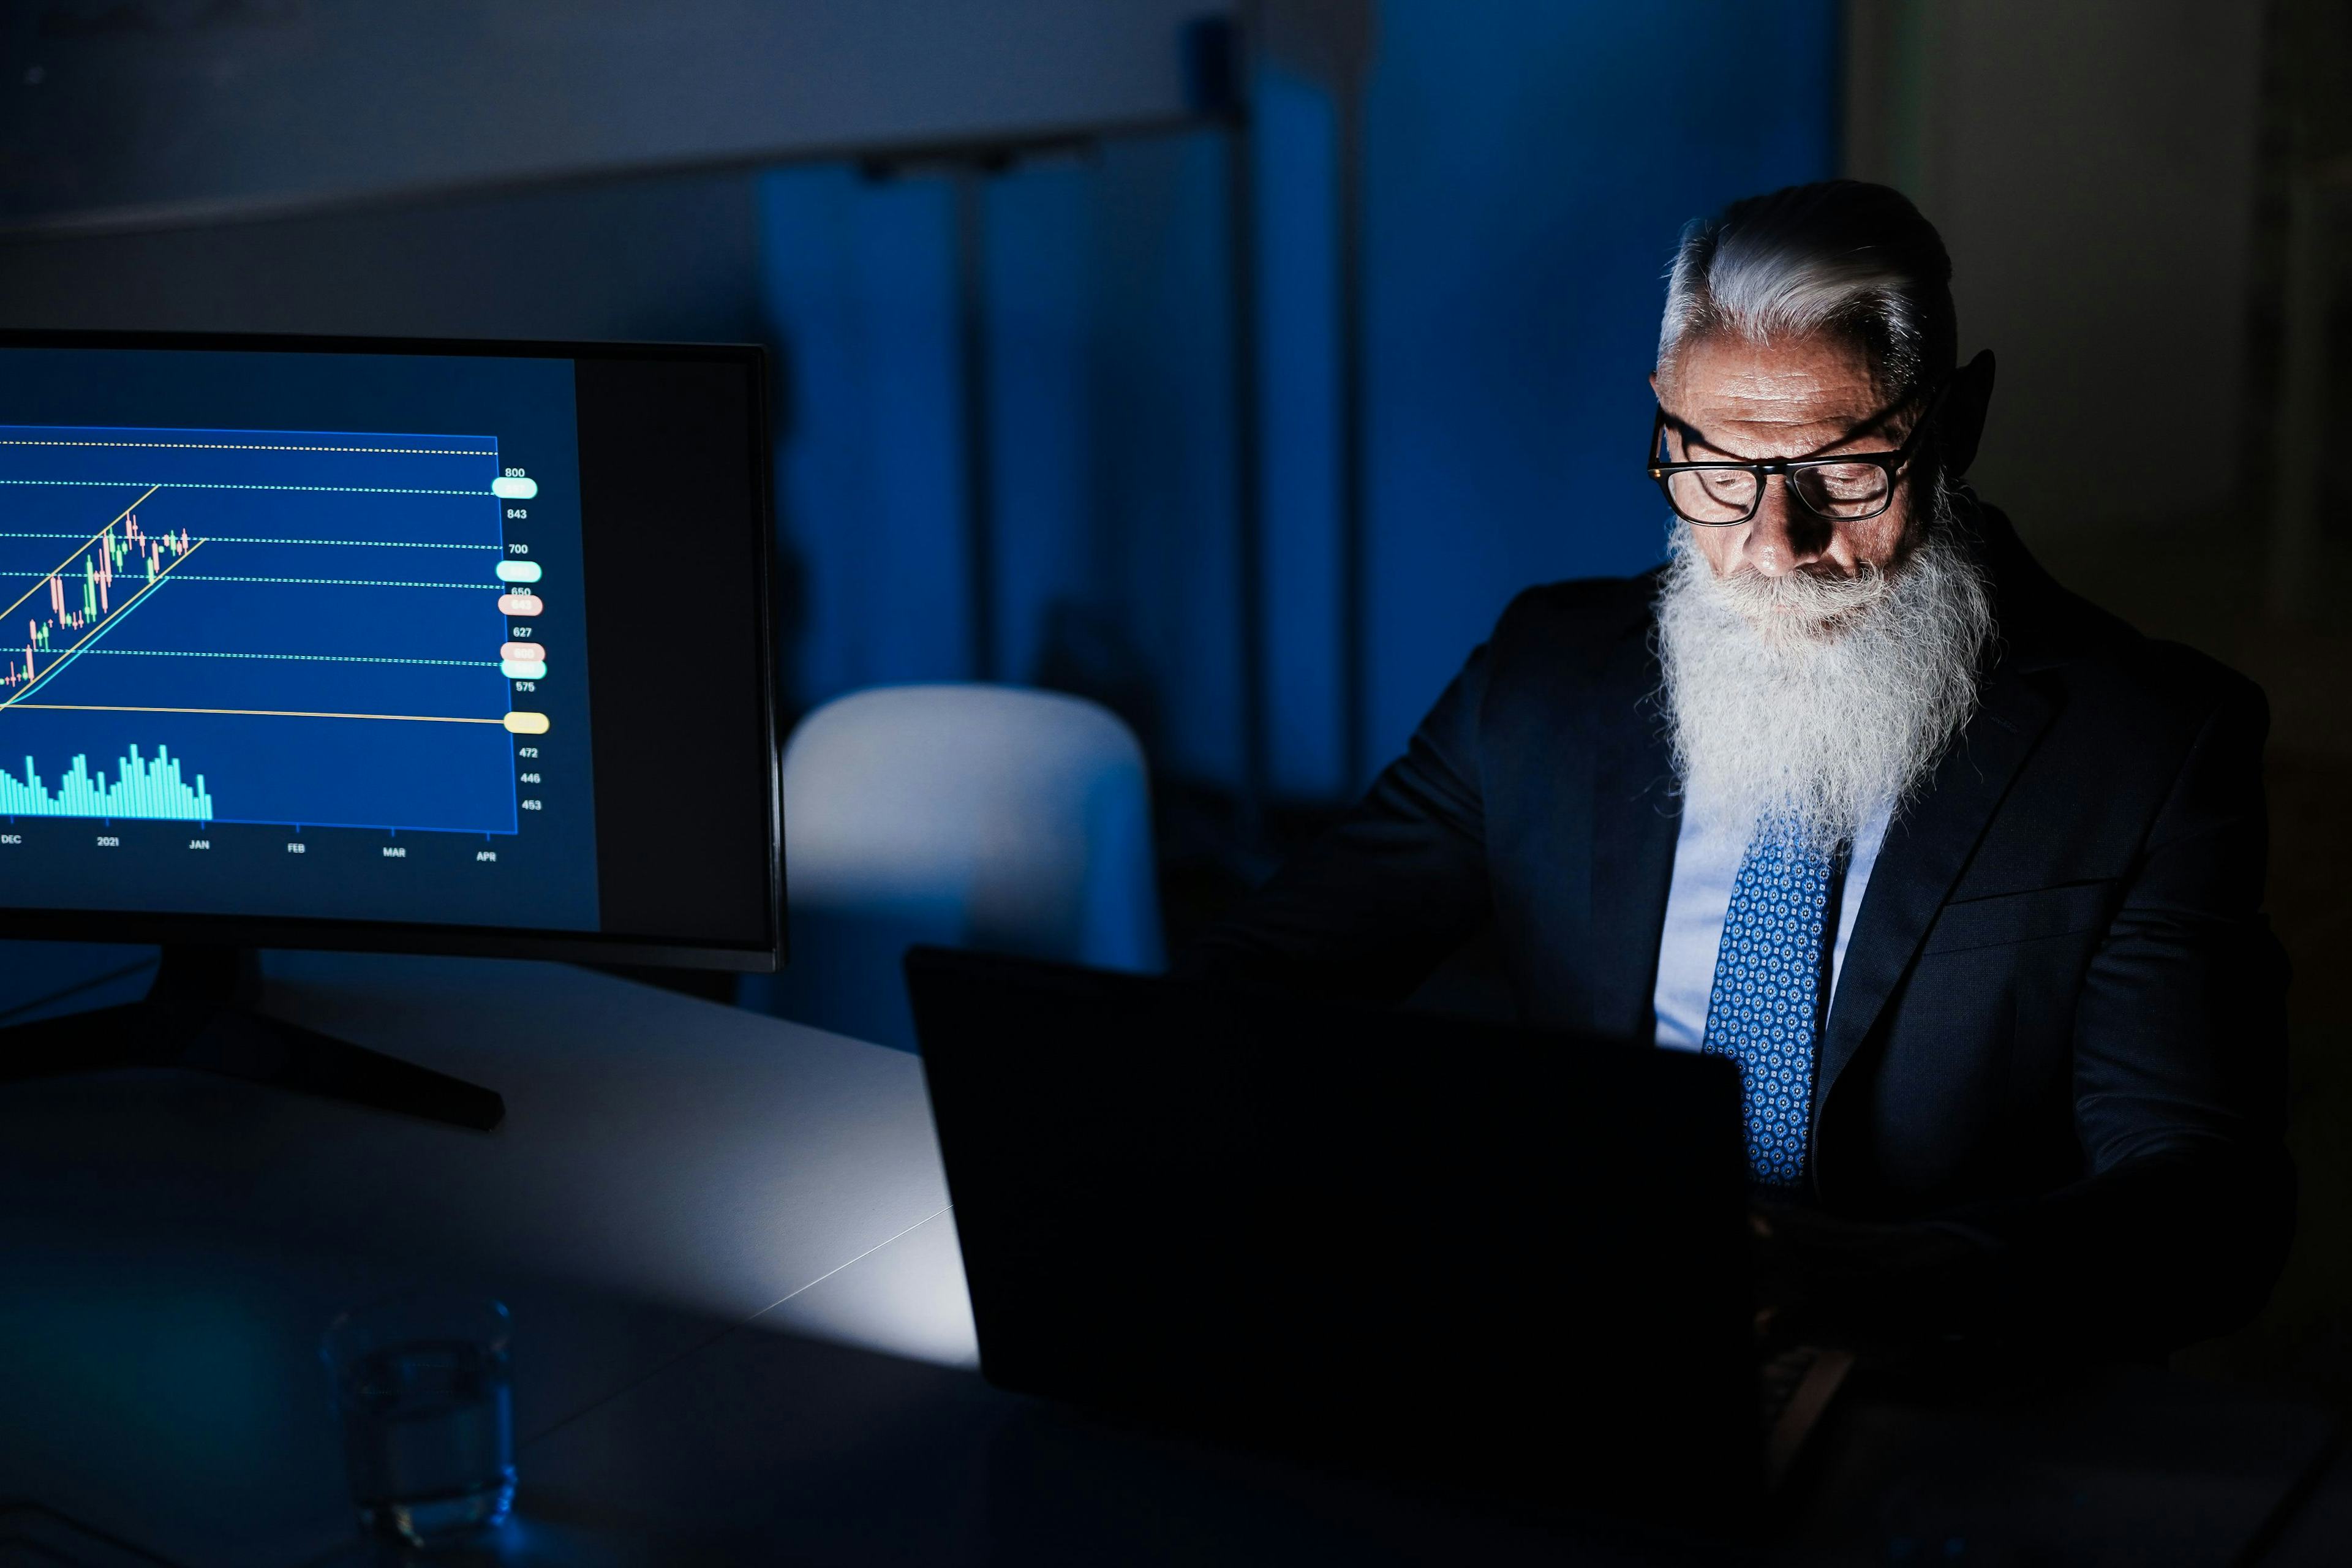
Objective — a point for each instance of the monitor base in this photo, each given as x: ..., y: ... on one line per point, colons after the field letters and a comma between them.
x: 201, y: 1014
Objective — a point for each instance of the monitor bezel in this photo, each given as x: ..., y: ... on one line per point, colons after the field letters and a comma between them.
x: 141, y: 926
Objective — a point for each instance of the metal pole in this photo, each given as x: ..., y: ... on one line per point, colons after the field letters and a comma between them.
x: 1249, y: 520
x: 1355, y: 563
x: 979, y: 459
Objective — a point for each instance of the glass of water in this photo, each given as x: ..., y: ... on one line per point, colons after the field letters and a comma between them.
x: 428, y: 1425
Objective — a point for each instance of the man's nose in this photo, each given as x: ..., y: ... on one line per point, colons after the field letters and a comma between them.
x: 1783, y: 534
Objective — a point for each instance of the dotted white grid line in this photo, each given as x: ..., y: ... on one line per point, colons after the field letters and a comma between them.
x: 255, y: 447
x: 204, y: 485
x: 239, y: 539
x: 298, y: 658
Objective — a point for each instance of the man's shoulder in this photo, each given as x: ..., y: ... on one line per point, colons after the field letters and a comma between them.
x: 1578, y: 611
x: 2116, y: 669
x: 2135, y: 681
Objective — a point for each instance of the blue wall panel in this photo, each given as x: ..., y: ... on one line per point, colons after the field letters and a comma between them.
x: 859, y: 286
x: 1298, y: 355
x: 1528, y: 166
x: 1039, y: 283
x: 1107, y: 319
x: 1530, y: 163
x: 1163, y: 484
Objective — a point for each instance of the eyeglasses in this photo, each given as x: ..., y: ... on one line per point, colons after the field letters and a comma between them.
x: 1848, y: 488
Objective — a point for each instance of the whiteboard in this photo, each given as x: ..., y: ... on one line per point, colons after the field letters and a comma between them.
x: 137, y: 112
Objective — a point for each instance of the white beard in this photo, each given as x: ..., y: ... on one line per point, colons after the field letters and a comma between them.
x: 1803, y: 705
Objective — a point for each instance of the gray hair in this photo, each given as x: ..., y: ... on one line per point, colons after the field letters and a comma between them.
x: 1840, y: 257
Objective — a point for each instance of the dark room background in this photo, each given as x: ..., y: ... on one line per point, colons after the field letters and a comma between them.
x: 1248, y: 420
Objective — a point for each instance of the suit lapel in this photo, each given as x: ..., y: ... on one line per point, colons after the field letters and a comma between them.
x: 1926, y: 850
x: 1636, y: 815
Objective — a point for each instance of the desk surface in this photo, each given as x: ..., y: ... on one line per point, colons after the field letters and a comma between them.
x: 741, y: 1323
x: 668, y: 1169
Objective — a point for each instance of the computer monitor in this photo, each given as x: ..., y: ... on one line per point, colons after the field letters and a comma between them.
x: 455, y: 646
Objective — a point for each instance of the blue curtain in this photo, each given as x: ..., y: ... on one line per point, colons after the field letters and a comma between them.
x: 1528, y: 163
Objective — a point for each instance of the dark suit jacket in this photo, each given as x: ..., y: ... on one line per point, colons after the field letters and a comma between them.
x: 2059, y: 1028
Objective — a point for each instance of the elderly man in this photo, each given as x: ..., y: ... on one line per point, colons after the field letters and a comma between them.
x: 1962, y: 872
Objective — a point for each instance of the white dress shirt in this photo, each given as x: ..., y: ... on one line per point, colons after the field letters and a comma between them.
x: 1706, y: 865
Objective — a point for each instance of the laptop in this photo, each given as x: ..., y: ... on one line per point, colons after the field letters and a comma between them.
x: 1469, y: 1258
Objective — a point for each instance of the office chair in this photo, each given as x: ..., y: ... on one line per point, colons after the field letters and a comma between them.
x: 970, y: 815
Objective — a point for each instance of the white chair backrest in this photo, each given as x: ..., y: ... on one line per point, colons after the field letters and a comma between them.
x: 982, y: 816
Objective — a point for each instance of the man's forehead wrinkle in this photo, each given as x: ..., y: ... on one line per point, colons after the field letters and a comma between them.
x: 1774, y: 384
x: 1767, y: 432
x: 1758, y: 404
x: 1759, y: 395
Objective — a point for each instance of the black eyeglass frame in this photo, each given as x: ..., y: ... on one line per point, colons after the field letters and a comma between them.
x: 1892, y: 463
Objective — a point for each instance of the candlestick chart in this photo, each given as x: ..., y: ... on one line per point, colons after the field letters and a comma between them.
x: 301, y: 627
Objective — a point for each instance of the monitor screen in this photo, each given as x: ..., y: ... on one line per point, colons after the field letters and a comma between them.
x: 457, y: 647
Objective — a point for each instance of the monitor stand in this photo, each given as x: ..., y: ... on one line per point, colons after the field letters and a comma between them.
x: 201, y: 1014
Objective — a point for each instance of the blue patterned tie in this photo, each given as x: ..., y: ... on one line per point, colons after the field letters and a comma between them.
x: 1765, y: 1009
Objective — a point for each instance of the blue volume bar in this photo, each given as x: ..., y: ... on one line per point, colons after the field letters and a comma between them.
x: 141, y: 790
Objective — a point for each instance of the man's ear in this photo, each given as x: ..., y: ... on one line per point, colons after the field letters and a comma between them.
x: 1965, y: 404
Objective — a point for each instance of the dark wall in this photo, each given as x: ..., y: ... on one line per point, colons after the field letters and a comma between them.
x: 643, y: 258
x: 2095, y: 170
x: 1528, y: 163
x: 179, y: 107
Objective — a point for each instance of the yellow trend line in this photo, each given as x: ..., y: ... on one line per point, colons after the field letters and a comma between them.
x: 114, y: 616
x: 78, y: 549
x: 251, y: 713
